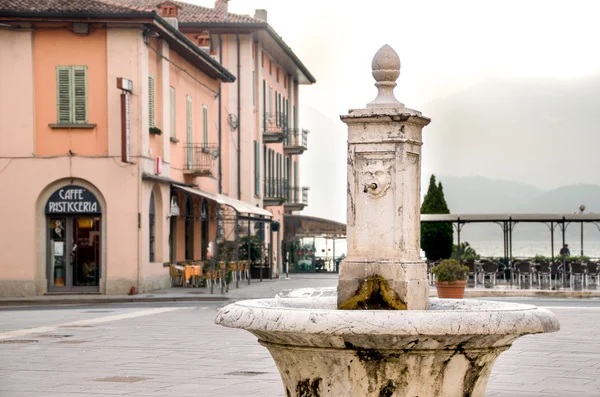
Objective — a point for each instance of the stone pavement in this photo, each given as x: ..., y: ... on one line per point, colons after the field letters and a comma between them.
x: 267, y: 288
x: 175, y: 349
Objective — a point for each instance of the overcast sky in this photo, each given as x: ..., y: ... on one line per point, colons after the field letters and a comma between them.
x: 445, y: 47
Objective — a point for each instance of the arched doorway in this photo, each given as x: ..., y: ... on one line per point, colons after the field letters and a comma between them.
x: 73, y: 219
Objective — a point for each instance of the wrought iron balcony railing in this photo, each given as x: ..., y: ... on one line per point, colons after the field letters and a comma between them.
x: 274, y: 126
x: 297, y: 195
x: 276, y: 188
x: 200, y: 158
x: 295, y: 142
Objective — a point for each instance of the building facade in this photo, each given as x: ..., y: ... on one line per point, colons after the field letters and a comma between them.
x: 119, y: 149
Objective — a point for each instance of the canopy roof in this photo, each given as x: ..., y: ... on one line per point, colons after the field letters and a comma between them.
x: 468, y: 218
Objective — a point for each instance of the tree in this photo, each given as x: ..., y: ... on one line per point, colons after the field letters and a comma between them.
x: 436, y: 238
x: 466, y: 252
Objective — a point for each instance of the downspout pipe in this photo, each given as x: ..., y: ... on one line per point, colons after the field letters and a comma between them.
x: 220, y: 116
x: 239, y: 121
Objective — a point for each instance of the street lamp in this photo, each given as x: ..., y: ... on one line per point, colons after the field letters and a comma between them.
x: 581, y: 209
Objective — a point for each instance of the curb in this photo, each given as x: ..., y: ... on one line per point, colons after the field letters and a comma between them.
x: 80, y: 301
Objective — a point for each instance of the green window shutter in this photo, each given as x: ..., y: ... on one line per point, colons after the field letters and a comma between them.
x: 190, y: 149
x: 63, y: 94
x: 270, y: 101
x: 253, y: 89
x: 256, y: 169
x: 150, y: 101
x: 79, y: 114
x: 172, y: 110
x: 295, y: 126
x: 205, y: 125
x: 264, y: 105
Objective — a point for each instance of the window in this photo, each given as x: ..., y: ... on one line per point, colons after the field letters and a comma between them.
x: 270, y: 102
x: 264, y: 105
x: 277, y: 108
x: 205, y: 125
x: 285, y: 82
x: 256, y: 168
x: 277, y: 74
x: 190, y: 153
x: 71, y: 92
x: 152, y: 226
x: 151, y: 101
x: 172, y: 111
x: 253, y: 89
x: 203, y: 39
x: 270, y: 67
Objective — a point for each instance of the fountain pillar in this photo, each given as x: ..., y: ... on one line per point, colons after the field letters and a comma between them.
x: 383, y: 269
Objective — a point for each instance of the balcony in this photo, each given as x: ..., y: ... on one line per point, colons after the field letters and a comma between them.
x: 274, y: 126
x: 295, y: 142
x: 275, y: 193
x: 297, y: 199
x: 200, y: 159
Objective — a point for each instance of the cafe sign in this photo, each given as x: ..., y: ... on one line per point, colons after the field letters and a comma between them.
x: 73, y: 199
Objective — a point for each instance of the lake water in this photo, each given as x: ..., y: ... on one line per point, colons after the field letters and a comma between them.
x: 487, y: 248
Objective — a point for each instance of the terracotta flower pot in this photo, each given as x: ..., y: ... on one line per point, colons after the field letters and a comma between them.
x: 451, y: 290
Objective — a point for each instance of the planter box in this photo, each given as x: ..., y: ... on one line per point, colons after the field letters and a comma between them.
x: 255, y: 271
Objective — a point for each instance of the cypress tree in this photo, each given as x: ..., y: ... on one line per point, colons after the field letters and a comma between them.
x: 436, y: 238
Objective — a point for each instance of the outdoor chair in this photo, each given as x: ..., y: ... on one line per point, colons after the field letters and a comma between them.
x: 524, y: 271
x: 490, y: 270
x: 472, y: 271
x: 591, y: 272
x: 175, y: 276
x: 234, y: 271
x: 575, y: 272
x: 544, y: 272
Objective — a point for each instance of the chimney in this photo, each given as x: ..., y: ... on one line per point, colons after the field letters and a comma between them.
x: 261, y: 14
x: 222, y: 7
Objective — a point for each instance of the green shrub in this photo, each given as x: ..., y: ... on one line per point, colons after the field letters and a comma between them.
x: 450, y: 270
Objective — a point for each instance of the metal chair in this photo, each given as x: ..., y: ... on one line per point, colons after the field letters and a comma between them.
x: 490, y: 270
x: 472, y: 271
x: 524, y: 270
x: 544, y: 272
x: 575, y: 271
x: 592, y: 272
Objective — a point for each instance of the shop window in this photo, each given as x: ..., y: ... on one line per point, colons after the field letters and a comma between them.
x: 152, y: 226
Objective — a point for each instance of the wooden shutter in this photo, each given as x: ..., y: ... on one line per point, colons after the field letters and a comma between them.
x: 190, y: 153
x: 79, y: 94
x: 172, y: 107
x: 150, y: 101
x: 253, y: 88
x: 256, y: 168
x: 205, y: 125
x: 63, y: 94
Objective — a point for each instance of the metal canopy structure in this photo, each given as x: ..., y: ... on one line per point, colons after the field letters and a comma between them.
x: 508, y: 221
x: 298, y: 226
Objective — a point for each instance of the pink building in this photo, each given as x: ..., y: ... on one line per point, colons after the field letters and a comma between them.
x: 123, y: 147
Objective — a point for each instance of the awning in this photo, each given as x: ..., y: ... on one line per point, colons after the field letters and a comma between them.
x: 239, y: 206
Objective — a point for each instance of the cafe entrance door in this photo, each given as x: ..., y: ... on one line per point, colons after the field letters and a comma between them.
x: 74, y: 254
x: 74, y: 241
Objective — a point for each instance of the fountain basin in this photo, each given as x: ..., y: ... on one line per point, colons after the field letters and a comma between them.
x: 448, y: 350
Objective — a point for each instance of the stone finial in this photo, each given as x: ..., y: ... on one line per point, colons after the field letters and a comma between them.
x: 386, y: 69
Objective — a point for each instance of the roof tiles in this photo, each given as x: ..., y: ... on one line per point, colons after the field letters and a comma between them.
x: 66, y: 6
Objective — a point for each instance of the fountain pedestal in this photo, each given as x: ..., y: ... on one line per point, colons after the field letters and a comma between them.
x: 381, y: 336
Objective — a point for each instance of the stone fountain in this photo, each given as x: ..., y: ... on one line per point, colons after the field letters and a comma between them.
x: 381, y: 336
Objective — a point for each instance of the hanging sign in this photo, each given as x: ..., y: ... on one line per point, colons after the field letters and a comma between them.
x: 73, y: 199
x: 125, y: 129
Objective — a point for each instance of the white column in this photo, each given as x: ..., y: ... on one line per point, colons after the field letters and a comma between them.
x: 383, y: 266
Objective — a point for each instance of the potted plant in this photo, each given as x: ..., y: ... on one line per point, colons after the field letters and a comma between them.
x: 451, y: 279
